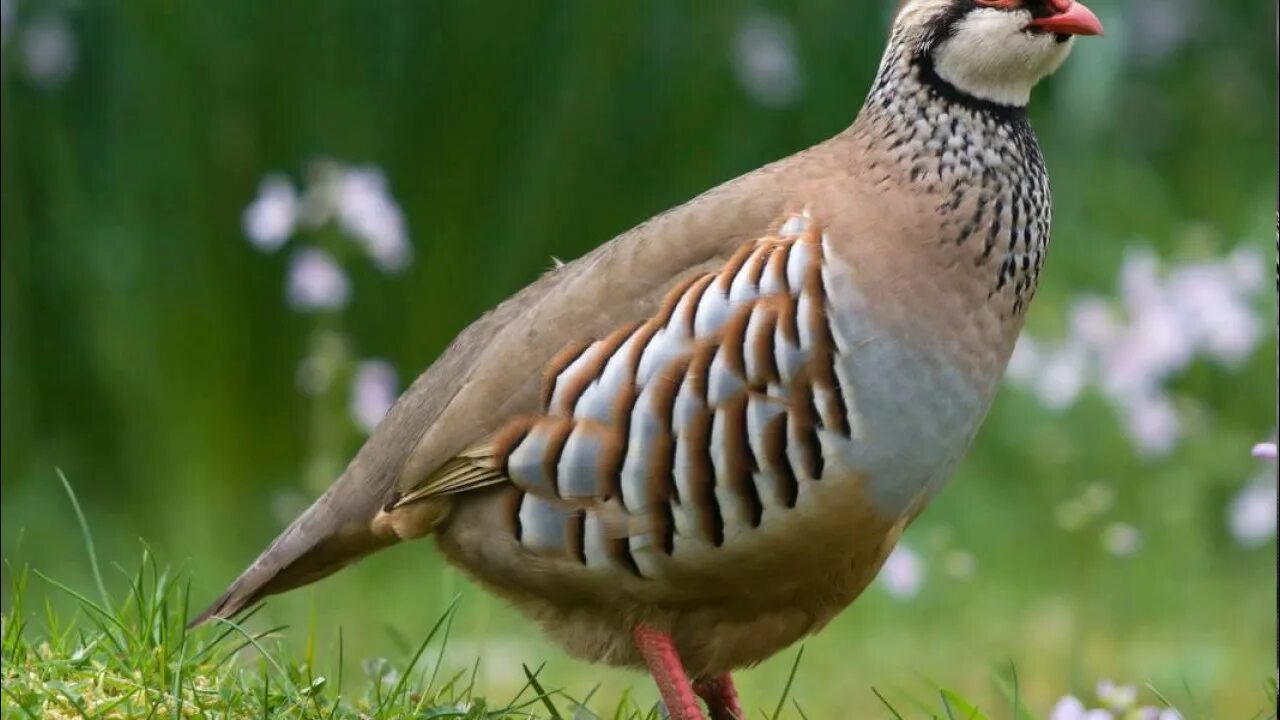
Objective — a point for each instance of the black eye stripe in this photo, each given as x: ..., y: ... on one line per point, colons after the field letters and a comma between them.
x: 943, y: 27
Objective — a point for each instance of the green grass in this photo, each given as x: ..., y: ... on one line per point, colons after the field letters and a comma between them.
x: 133, y: 657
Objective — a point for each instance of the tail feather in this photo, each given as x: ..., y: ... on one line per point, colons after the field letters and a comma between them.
x: 345, y: 524
x: 296, y: 558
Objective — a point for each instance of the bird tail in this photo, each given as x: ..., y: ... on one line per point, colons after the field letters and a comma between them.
x: 349, y: 521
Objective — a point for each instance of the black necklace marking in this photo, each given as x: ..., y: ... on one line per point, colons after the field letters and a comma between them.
x: 963, y: 148
x: 927, y: 71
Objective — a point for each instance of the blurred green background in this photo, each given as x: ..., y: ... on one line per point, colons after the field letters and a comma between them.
x: 149, y: 351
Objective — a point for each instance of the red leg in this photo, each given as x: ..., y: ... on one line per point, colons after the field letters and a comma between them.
x: 721, y: 696
x: 659, y: 653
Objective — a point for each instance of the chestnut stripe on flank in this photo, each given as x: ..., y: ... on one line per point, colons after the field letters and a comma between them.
x: 759, y: 260
x: 600, y: 352
x: 805, y: 435
x: 731, y: 268
x: 761, y: 346
x: 644, y: 335
x: 693, y: 297
x: 662, y: 482
x: 702, y: 482
x: 699, y: 370
x: 818, y: 462
x: 620, y: 550
x: 733, y: 338
x: 515, y: 497
x: 788, y: 309
x: 664, y: 531
x: 778, y: 266
x: 558, y: 365
x: 775, y: 449
x: 574, y: 535
x: 557, y: 435
x: 671, y: 301
x: 509, y: 438
x: 741, y: 460
x: 836, y: 403
x: 835, y: 415
x: 611, y: 474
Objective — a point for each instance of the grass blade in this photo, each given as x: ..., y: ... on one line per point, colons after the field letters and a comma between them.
x: 786, y: 689
x: 87, y: 537
x: 542, y: 694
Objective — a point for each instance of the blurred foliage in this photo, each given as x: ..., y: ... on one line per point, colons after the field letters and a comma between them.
x: 148, y: 352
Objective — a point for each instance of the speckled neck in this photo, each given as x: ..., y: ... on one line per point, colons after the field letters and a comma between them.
x: 979, y: 158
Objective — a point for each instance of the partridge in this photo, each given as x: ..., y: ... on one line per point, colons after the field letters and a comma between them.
x: 698, y: 443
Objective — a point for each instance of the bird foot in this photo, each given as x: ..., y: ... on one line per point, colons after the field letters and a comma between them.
x: 659, y: 653
x: 721, y: 697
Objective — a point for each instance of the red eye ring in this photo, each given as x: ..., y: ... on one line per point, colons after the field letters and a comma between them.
x: 1000, y: 4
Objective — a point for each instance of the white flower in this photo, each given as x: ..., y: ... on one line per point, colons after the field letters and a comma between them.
x: 903, y: 573
x: 1265, y: 451
x: 1117, y: 697
x: 270, y: 219
x: 1152, y: 422
x: 367, y: 212
x: 1215, y: 313
x: 1251, y: 515
x: 764, y: 58
x: 1197, y: 309
x: 1157, y: 341
x: 373, y: 392
x: 316, y: 282
x: 1062, y: 376
x: 48, y: 51
x: 1094, y: 323
x: 1068, y: 707
x: 1121, y: 540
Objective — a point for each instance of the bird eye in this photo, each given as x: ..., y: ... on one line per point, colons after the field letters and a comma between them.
x: 1001, y: 4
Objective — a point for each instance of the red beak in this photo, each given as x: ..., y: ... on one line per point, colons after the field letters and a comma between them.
x: 1071, y: 18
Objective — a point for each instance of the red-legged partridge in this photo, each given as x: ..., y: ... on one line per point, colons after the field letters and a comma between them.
x: 698, y: 443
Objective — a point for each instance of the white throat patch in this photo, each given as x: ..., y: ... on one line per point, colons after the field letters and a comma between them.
x: 991, y: 57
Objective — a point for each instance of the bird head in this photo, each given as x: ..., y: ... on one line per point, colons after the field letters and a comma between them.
x: 992, y: 50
